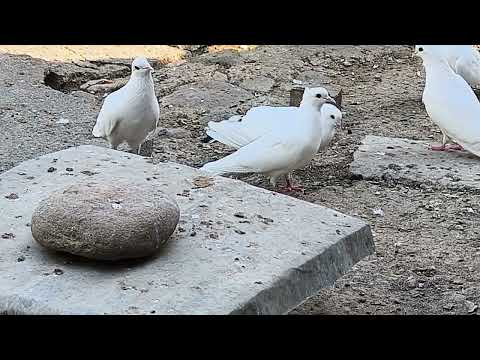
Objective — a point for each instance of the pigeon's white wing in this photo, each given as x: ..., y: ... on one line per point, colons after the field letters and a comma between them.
x: 109, y: 115
x: 239, y: 131
x: 456, y: 109
x: 268, y: 153
x: 468, y: 67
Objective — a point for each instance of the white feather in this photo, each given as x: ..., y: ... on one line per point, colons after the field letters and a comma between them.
x: 283, y: 149
x: 463, y: 59
x: 239, y: 131
x: 451, y: 103
x: 131, y: 113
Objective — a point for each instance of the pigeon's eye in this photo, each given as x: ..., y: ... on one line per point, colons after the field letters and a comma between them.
x: 137, y: 68
x: 332, y: 117
x: 319, y: 96
x: 420, y: 49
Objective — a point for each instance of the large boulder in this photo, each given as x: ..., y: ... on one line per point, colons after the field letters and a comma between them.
x: 106, y: 221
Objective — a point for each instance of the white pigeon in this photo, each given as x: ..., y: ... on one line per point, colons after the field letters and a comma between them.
x: 131, y: 113
x: 239, y: 130
x: 463, y: 59
x: 450, y: 102
x: 290, y: 145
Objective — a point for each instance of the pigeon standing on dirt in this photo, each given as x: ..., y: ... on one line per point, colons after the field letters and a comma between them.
x: 290, y: 145
x: 464, y: 60
x: 131, y: 113
x: 450, y: 102
x: 239, y: 130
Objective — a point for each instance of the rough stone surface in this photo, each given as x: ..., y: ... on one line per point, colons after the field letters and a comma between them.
x: 279, y: 252
x: 106, y: 221
x: 403, y: 160
x: 208, y: 96
x: 259, y: 84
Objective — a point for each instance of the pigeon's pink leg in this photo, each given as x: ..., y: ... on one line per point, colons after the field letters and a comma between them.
x: 440, y: 147
x: 437, y: 147
x: 291, y: 187
x: 454, y: 147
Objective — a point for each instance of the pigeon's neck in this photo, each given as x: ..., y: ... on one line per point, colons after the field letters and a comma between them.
x: 437, y: 69
x: 327, y: 126
x: 311, y: 118
x: 141, y: 81
x: 308, y: 103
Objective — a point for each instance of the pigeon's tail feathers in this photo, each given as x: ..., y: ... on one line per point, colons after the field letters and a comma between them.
x: 211, y: 168
x: 473, y: 148
x: 229, y: 133
x: 98, y: 131
x: 224, y: 166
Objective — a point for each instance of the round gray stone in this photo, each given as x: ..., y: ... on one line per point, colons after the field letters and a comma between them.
x: 106, y: 222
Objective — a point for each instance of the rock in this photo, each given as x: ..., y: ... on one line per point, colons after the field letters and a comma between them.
x: 219, y: 76
x: 296, y: 95
x: 63, y: 121
x: 378, y: 212
x: 176, y: 133
x: 103, y: 85
x: 412, y: 282
x: 378, y: 158
x: 147, y: 148
x: 208, y: 96
x: 225, y: 59
x: 471, y: 306
x: 11, y: 196
x: 258, y: 84
x: 105, y: 222
x: 196, y: 49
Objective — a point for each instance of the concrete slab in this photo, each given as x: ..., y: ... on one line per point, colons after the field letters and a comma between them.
x: 238, y: 249
x: 404, y: 160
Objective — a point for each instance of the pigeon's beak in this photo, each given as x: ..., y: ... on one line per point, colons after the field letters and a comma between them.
x: 331, y: 101
x: 151, y: 69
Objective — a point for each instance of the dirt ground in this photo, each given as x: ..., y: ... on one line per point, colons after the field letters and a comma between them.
x: 427, y: 257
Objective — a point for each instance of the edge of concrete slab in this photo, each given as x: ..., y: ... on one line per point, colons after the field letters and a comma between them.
x: 296, y: 285
x: 18, y: 305
x: 291, y: 289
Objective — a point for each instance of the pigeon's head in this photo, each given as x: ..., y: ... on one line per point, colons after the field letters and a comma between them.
x: 331, y: 114
x: 423, y: 51
x: 141, y: 66
x: 317, y: 96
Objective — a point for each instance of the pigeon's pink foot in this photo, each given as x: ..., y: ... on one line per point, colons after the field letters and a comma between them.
x: 290, y: 187
x: 454, y: 147
x: 438, y: 147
